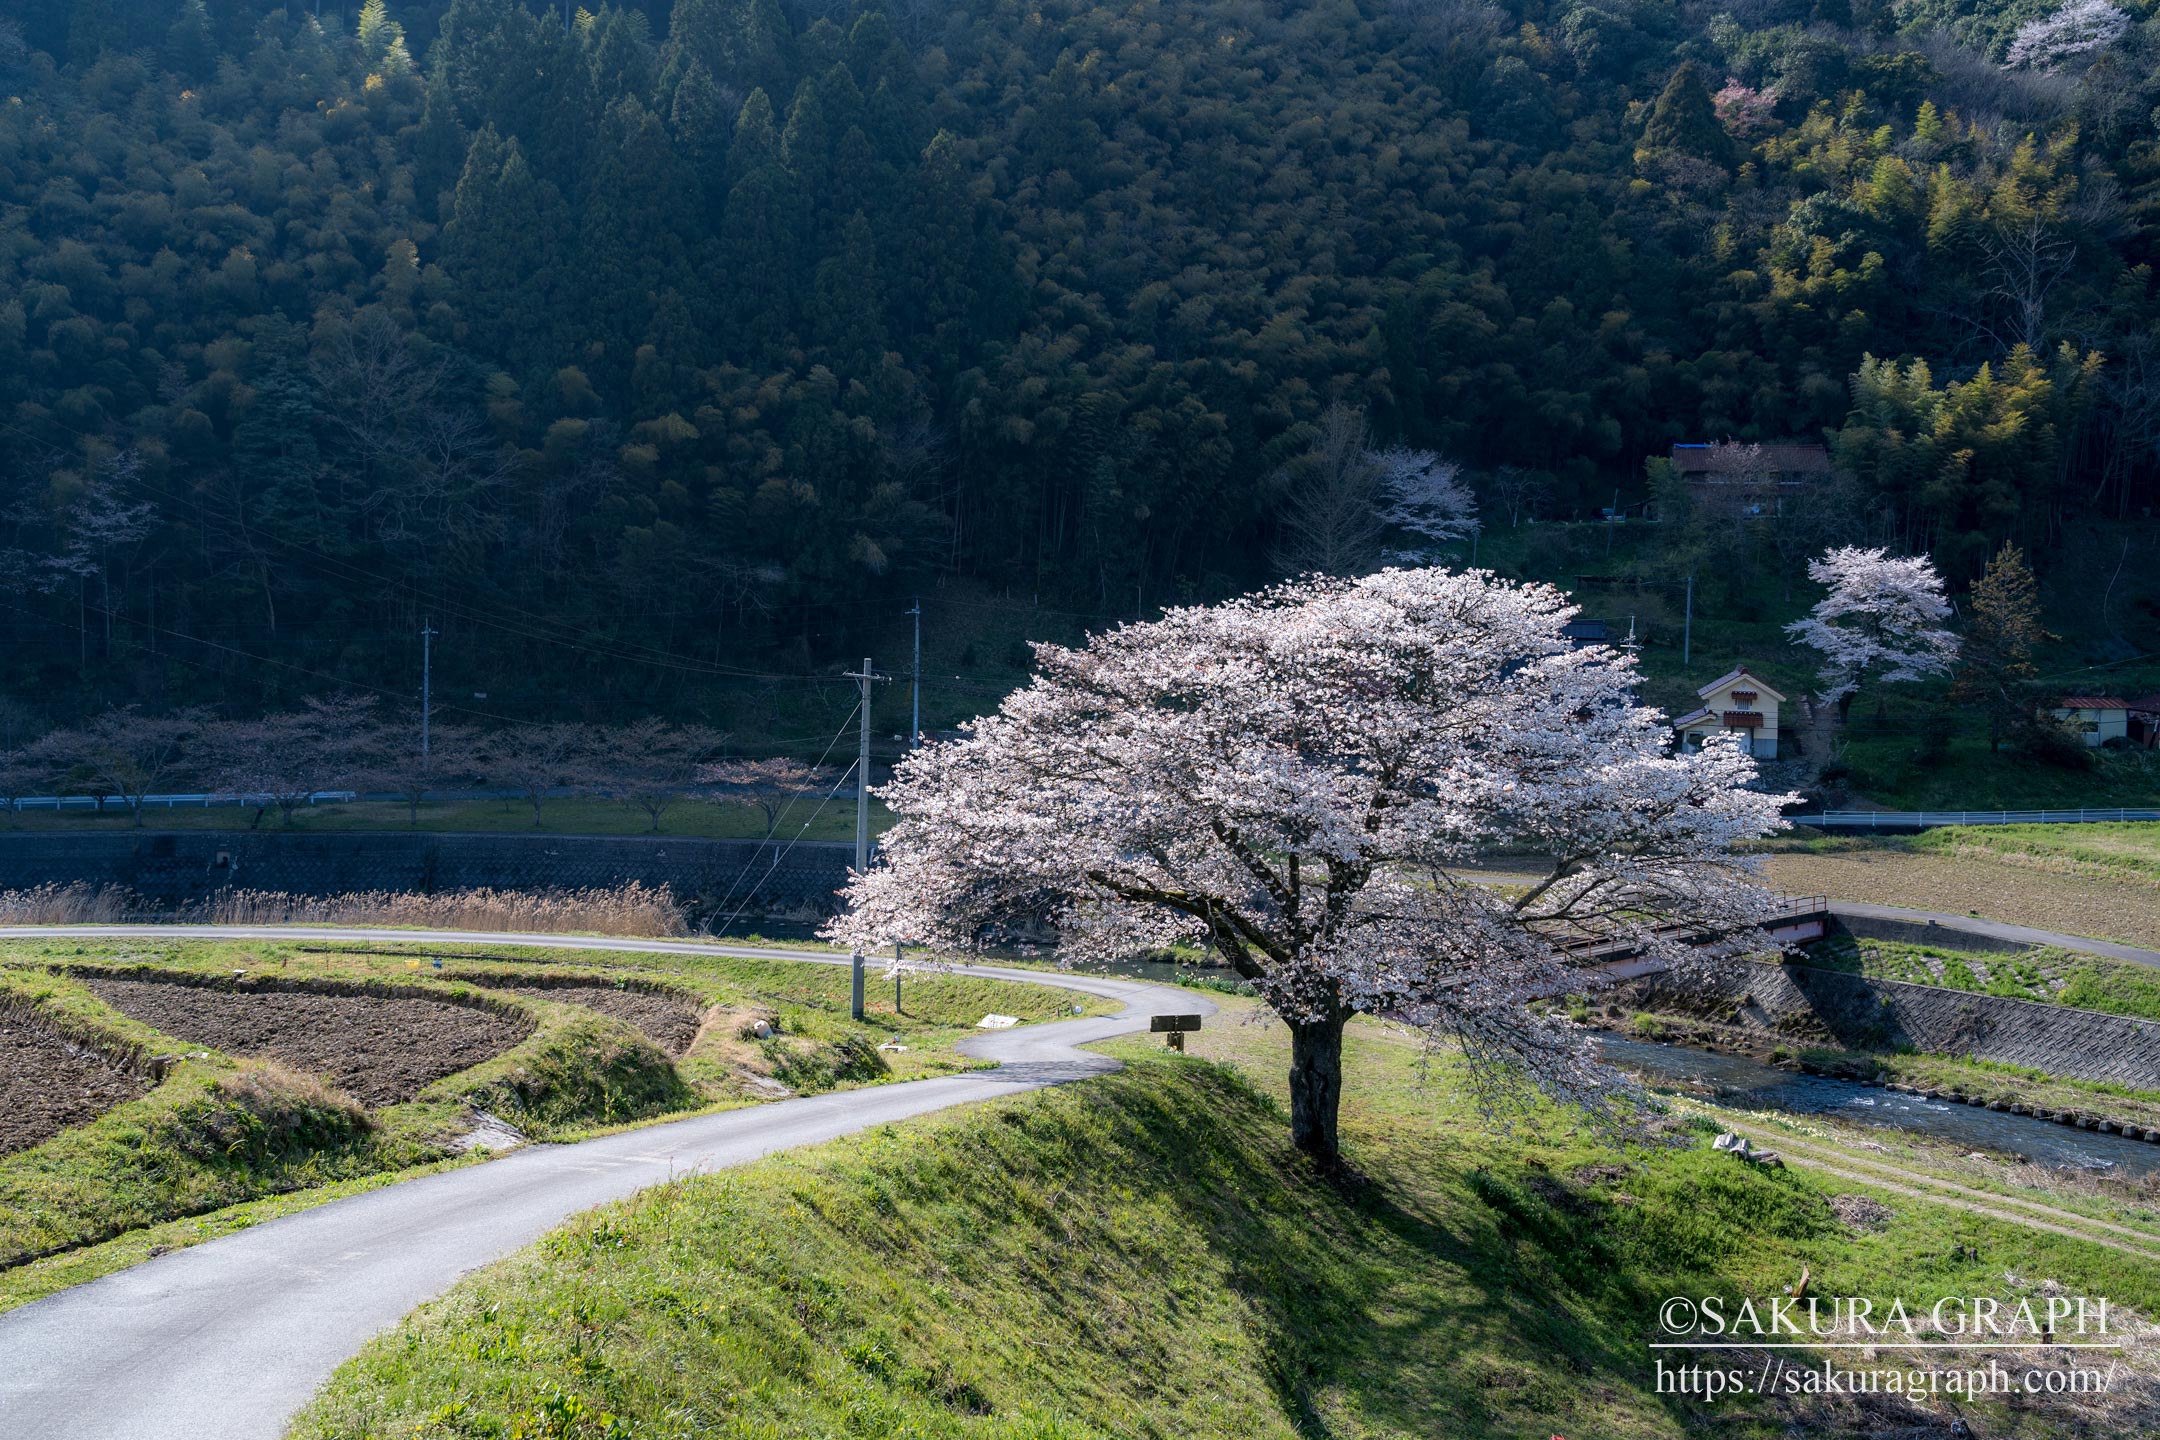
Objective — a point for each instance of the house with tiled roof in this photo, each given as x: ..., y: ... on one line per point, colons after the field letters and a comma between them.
x: 2101, y: 718
x: 1737, y: 702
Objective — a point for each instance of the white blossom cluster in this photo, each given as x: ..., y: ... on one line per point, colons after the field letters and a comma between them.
x: 2082, y: 27
x: 1288, y: 780
x: 1423, y: 495
x: 1881, y: 620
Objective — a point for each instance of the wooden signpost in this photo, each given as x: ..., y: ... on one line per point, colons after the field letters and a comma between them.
x: 1173, y: 1028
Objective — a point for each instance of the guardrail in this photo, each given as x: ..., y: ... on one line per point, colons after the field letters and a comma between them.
x: 1929, y: 819
x: 119, y: 802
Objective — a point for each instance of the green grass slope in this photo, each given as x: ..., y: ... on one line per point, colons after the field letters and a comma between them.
x: 1143, y: 1255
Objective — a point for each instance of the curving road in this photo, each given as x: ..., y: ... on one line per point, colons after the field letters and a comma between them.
x: 230, y: 1338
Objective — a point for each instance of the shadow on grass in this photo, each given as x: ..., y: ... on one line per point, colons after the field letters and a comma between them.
x: 1428, y: 1294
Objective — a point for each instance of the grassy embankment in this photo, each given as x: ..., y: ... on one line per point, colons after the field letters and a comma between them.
x: 1142, y: 1255
x: 567, y: 816
x: 204, y: 1150
x: 2044, y: 976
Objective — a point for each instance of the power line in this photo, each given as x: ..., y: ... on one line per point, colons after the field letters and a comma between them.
x: 784, y: 811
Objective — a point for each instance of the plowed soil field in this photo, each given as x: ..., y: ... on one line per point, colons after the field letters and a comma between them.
x: 380, y: 1050
x: 48, y: 1085
x: 670, y: 1024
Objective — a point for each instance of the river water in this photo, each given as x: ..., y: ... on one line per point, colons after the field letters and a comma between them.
x: 1749, y: 1084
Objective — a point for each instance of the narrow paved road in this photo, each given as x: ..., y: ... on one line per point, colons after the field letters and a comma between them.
x: 227, y: 1340
x: 1997, y: 930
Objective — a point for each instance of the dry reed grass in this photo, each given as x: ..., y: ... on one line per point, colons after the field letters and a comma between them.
x: 632, y: 909
x: 79, y: 903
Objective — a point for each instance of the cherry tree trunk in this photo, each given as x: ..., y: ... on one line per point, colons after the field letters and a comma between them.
x: 1316, y: 1086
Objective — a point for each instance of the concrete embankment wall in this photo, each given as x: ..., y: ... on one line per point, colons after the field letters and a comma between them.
x: 176, y: 868
x: 1852, y: 1010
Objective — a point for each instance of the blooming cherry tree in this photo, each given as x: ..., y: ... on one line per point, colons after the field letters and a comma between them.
x: 1423, y: 495
x: 1880, y: 621
x: 771, y: 784
x: 1286, y: 779
x: 2080, y: 28
x: 1743, y: 109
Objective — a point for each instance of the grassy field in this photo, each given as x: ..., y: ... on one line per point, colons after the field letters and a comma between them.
x: 569, y: 816
x: 1976, y: 883
x: 1143, y: 1256
x: 2105, y: 850
x: 222, y: 1131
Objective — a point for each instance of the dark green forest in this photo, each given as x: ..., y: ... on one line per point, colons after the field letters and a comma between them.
x: 658, y: 349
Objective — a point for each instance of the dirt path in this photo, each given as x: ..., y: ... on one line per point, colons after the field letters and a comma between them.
x: 1978, y: 1202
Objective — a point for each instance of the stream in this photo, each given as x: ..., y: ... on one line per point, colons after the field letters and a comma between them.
x: 1752, y: 1085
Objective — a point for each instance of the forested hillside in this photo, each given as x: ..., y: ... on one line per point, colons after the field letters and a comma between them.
x: 669, y: 345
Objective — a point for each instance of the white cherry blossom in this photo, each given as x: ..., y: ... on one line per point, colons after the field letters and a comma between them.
x: 1880, y: 621
x: 1288, y: 779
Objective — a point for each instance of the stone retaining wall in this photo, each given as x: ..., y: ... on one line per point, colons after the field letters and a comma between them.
x: 173, y: 868
x: 1919, y: 932
x: 1861, y: 1013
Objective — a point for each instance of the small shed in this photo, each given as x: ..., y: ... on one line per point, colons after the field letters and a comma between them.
x: 2144, y: 722
x: 1739, y: 702
x: 2101, y: 717
x: 1582, y: 632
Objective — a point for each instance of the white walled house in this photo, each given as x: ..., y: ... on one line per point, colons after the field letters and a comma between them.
x: 2100, y: 717
x: 1740, y: 703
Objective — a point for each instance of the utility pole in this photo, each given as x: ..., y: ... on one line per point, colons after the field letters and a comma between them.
x: 914, y: 738
x: 1687, y: 633
x: 427, y: 680
x: 862, y: 820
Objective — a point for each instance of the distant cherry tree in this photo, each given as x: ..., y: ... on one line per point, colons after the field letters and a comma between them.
x: 1744, y: 110
x: 1881, y: 621
x: 283, y: 760
x: 651, y: 764
x: 1286, y: 780
x: 1424, y: 496
x: 770, y: 784
x: 537, y: 760
x: 2080, y: 28
x: 123, y: 754
x: 1343, y: 498
x: 397, y: 764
